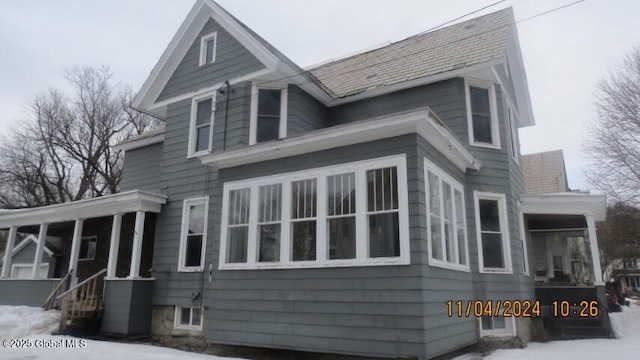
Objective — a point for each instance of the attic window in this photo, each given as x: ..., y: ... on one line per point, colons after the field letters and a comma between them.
x: 208, y: 45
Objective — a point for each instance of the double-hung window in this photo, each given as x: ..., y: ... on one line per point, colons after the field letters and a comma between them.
x: 353, y: 214
x: 208, y: 48
x: 446, y: 224
x: 194, y: 234
x: 492, y: 232
x: 481, y: 114
x: 201, y: 125
x: 268, y: 119
x: 88, y: 246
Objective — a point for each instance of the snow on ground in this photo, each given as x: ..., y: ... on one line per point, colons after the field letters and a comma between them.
x: 626, y: 326
x: 34, y: 326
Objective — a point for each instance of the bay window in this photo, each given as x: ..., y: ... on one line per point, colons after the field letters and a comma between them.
x: 353, y: 214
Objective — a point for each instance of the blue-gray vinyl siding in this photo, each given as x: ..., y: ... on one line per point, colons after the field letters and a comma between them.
x: 141, y: 169
x: 304, y: 112
x: 26, y: 292
x: 127, y: 307
x: 232, y: 60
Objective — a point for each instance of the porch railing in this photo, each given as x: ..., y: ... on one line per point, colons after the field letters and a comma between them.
x: 52, y: 300
x: 81, y: 300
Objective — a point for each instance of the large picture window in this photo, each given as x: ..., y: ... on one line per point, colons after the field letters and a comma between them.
x: 492, y: 232
x: 446, y: 225
x: 345, y: 215
x: 194, y: 234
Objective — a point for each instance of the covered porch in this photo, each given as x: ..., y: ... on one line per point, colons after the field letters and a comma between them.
x: 561, y: 229
x: 103, y: 256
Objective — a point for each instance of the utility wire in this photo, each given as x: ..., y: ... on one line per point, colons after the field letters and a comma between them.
x: 351, y: 69
x: 459, y: 17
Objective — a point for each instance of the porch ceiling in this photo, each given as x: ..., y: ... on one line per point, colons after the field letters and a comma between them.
x: 121, y: 203
x: 566, y: 204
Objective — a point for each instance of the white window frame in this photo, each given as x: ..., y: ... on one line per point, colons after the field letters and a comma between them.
x: 523, y: 238
x: 508, y: 331
x: 203, y: 47
x: 514, y: 149
x: 455, y: 185
x: 495, y: 124
x: 88, y: 238
x: 322, y: 241
x: 44, y: 268
x: 504, y: 230
x: 192, y: 124
x: 253, y: 119
x: 178, y: 313
x: 187, y: 203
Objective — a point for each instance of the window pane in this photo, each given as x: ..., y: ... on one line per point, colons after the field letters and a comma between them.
x: 479, y: 100
x: 237, y: 239
x: 270, y: 200
x: 84, y: 248
x: 341, y: 194
x: 462, y: 241
x: 269, y: 242
x: 303, y: 199
x: 448, y: 241
x: 499, y: 323
x: 204, y: 110
x: 211, y: 46
x: 268, y: 128
x: 194, y: 251
x: 486, y: 323
x: 91, y: 250
x: 492, y: 251
x: 342, y: 238
x: 482, y: 129
x: 434, y: 194
x: 202, y: 138
x: 436, y: 238
x: 196, y: 219
x: 448, y: 222
x: 304, y: 240
x: 382, y: 189
x: 239, y: 206
x: 489, y: 215
x: 269, y: 102
x: 185, y: 316
x: 384, y: 235
x: 197, y: 316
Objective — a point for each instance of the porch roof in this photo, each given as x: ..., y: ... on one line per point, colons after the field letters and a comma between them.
x: 120, y: 203
x: 566, y: 204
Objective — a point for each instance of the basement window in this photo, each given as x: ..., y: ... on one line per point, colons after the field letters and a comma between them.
x: 188, y: 318
x: 208, y: 45
x: 497, y: 326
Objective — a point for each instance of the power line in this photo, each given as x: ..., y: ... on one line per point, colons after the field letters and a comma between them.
x: 460, y: 17
x: 350, y: 70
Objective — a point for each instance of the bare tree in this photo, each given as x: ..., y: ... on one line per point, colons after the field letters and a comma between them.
x: 614, y: 138
x: 64, y: 149
x: 618, y: 236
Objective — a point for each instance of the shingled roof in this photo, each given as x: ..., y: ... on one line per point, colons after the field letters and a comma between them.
x: 544, y: 173
x: 468, y: 43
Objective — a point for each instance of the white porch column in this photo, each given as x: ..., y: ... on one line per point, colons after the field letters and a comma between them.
x: 136, y: 255
x: 42, y: 237
x: 114, y: 245
x: 595, y: 251
x: 8, y: 253
x: 75, y: 250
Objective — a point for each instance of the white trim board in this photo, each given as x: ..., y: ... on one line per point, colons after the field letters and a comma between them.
x: 566, y: 204
x: 136, y: 144
x: 423, y: 122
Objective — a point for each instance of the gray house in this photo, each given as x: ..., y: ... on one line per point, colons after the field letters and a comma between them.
x: 365, y: 206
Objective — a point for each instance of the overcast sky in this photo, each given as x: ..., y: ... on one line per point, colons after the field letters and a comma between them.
x: 565, y: 53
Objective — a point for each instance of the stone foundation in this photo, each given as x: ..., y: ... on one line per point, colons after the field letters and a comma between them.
x: 163, y: 332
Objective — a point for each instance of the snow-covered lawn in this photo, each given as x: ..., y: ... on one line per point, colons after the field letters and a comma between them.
x: 21, y: 322
x: 627, y: 345
x: 28, y: 323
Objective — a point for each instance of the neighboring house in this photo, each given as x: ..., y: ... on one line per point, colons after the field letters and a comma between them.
x: 628, y: 273
x: 23, y: 254
x: 332, y: 210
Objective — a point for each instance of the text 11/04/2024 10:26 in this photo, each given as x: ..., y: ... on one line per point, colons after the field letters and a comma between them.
x: 521, y: 308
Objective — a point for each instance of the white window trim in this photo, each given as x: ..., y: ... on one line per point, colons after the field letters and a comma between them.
x: 431, y: 167
x: 191, y: 152
x: 203, y: 48
x: 253, y: 119
x: 14, y: 268
x: 320, y: 174
x: 176, y: 318
x: 204, y: 200
x: 523, y: 238
x: 513, y: 132
x: 94, y: 255
x: 508, y: 331
x: 495, y: 125
x: 504, y: 230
